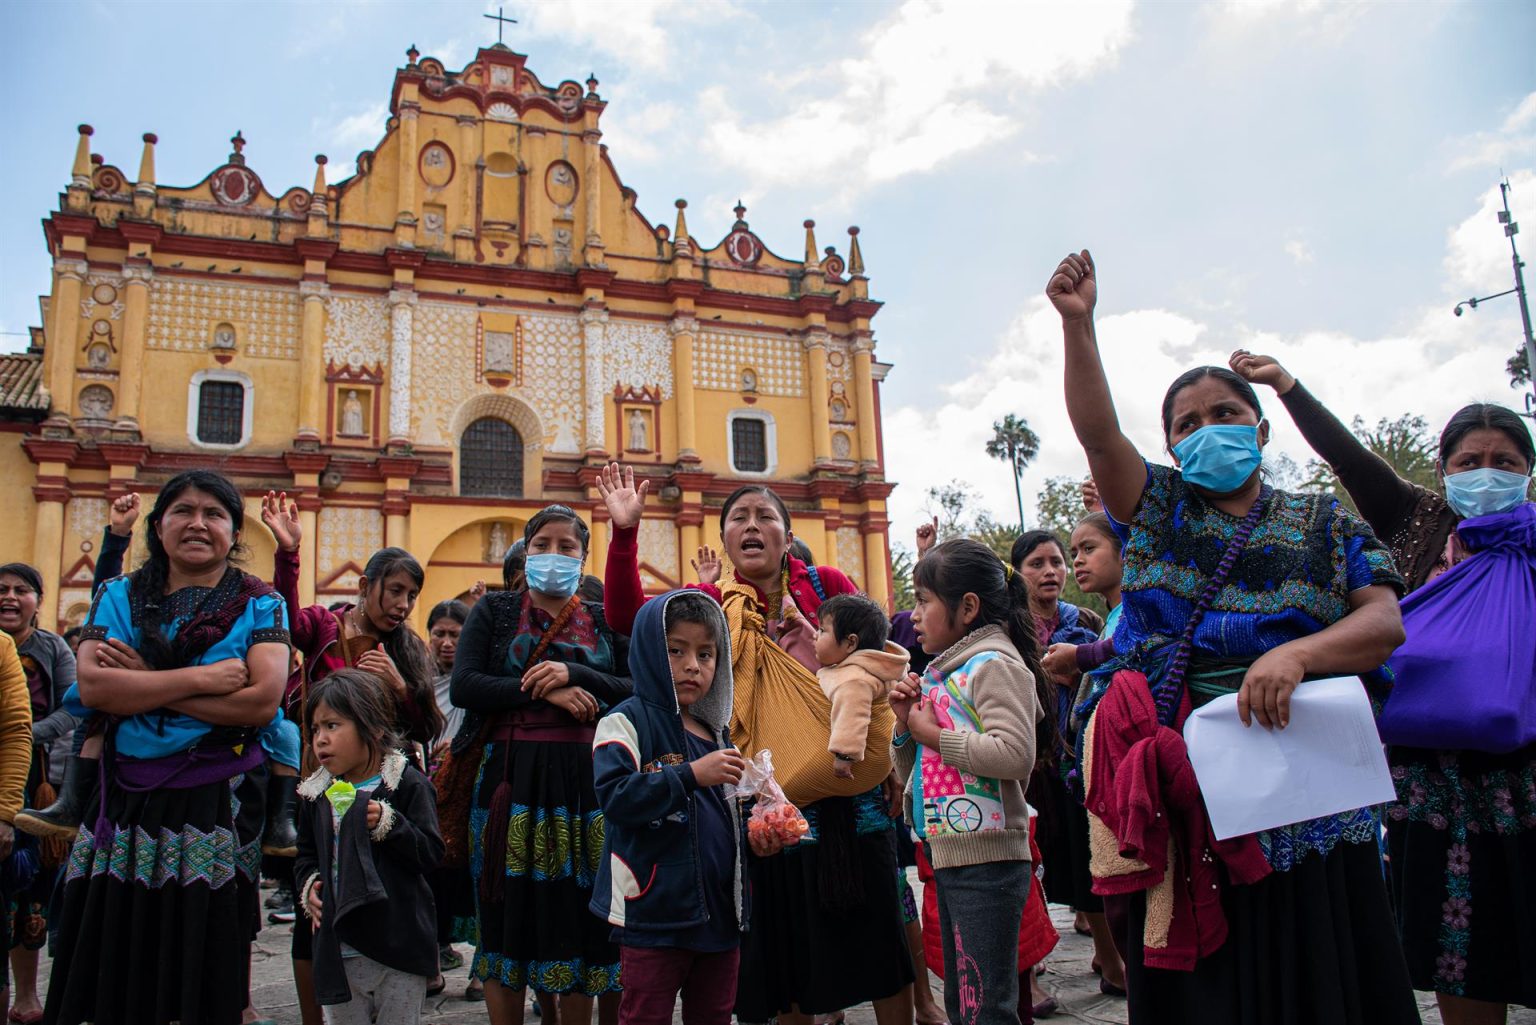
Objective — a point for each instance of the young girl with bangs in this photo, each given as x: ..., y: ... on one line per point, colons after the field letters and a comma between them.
x: 372, y: 634
x: 968, y: 731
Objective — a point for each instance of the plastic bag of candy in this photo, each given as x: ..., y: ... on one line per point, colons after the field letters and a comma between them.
x: 772, y: 814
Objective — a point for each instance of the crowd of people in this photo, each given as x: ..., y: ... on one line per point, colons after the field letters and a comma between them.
x: 717, y: 793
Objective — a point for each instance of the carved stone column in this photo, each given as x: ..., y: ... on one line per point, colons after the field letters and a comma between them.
x: 594, y: 342
x: 402, y: 314
x: 312, y: 360
x: 684, y: 329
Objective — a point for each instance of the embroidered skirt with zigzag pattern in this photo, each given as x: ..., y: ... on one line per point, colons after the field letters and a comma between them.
x: 159, y: 913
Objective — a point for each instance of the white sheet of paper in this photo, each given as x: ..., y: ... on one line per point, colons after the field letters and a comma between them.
x: 1329, y: 759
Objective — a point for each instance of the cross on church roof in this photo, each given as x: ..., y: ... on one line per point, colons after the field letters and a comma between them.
x: 500, y: 22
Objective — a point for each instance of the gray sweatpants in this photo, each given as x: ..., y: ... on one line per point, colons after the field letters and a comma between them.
x: 380, y: 995
x: 979, y: 911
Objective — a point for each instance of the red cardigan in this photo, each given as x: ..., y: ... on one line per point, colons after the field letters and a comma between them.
x: 623, y: 593
x: 1142, y: 787
x: 314, y: 630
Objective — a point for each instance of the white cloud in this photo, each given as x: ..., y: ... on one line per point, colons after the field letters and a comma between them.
x: 1431, y: 366
x: 931, y: 82
x: 354, y: 132
x: 1298, y: 250
x: 641, y: 34
x: 1477, y: 252
x: 640, y: 132
x: 1515, y: 137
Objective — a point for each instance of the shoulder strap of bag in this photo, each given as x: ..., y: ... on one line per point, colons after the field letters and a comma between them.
x: 1173, y: 686
x: 821, y: 592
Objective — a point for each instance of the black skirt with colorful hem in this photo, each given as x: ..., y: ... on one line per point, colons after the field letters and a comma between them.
x: 160, y: 906
x: 534, y: 856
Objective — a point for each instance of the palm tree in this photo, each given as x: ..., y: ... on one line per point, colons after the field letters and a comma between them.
x: 1014, y: 442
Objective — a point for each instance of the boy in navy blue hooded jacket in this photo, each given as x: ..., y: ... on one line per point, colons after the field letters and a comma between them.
x: 671, y: 879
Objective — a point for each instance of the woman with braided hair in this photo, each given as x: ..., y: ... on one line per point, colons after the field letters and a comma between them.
x: 534, y: 671
x: 1229, y: 586
x: 187, y: 656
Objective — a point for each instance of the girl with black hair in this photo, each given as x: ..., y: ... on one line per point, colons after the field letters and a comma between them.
x: 159, y: 902
x: 1462, y: 834
x: 368, y: 841
x: 1230, y: 587
x: 968, y: 732
x: 372, y: 634
x: 534, y: 671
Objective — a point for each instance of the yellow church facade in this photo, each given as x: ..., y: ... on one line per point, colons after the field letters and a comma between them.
x: 431, y: 350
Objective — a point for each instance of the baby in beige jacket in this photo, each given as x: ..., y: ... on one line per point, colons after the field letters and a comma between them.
x: 859, y: 667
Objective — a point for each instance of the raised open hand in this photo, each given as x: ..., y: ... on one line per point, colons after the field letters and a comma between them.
x: 123, y: 514
x: 1074, y: 287
x: 282, y: 518
x: 625, y: 501
x: 1261, y: 370
x: 706, y: 563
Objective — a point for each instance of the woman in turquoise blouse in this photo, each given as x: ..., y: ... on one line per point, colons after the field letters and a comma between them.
x: 186, y: 660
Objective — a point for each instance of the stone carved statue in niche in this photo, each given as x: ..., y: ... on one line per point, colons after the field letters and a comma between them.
x: 562, y: 246
x: 352, y: 415
x: 95, y: 402
x: 497, y: 543
x: 842, y: 448
x: 435, y: 156
x: 224, y: 337
x: 639, y: 431
x: 749, y: 380
x: 839, y: 410
x: 98, y: 356
x: 500, y: 352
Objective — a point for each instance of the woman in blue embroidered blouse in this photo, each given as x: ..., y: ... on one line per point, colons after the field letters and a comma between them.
x: 1278, y: 587
x: 186, y: 658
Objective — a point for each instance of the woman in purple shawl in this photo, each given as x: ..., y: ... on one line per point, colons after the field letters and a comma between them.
x: 1462, y: 834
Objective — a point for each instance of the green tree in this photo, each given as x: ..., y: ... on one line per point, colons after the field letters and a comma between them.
x: 1406, y: 443
x: 1060, y: 509
x: 951, y: 503
x: 1017, y: 445
x: 1059, y: 506
x: 1519, y: 368
x: 903, y: 560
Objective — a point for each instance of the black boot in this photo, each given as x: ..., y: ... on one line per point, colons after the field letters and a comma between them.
x: 281, y: 838
x: 63, y: 817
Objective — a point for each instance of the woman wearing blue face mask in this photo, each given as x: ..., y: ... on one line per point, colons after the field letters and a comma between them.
x: 1229, y: 586
x: 534, y: 671
x: 1463, y: 832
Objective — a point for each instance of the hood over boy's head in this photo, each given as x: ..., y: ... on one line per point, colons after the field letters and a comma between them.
x: 651, y: 667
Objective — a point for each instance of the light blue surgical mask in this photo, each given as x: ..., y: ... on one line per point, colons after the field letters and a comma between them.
x: 1485, y: 491
x: 555, y: 575
x: 1219, y: 458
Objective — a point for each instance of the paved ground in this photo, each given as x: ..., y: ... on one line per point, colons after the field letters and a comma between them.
x: 1068, y: 978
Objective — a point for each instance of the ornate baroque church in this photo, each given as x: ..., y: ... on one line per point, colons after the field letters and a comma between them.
x: 430, y: 350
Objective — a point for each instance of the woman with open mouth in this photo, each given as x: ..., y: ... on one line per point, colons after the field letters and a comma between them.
x: 50, y: 668
x: 803, y: 909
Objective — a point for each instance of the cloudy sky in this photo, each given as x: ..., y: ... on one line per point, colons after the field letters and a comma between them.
x: 1311, y: 179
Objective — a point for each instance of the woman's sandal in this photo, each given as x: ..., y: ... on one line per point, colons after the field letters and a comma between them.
x: 438, y: 986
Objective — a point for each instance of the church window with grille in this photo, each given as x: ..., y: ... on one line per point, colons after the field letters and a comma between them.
x: 220, y: 412
x: 749, y: 445
x: 491, y: 459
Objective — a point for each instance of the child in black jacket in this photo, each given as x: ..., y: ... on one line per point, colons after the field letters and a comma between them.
x: 367, y: 841
x: 671, y: 876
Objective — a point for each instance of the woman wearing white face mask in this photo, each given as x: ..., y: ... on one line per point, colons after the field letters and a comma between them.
x: 533, y: 672
x: 1229, y: 587
x: 1463, y: 833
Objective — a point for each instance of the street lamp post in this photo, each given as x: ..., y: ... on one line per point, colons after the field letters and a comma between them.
x: 1511, y: 229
